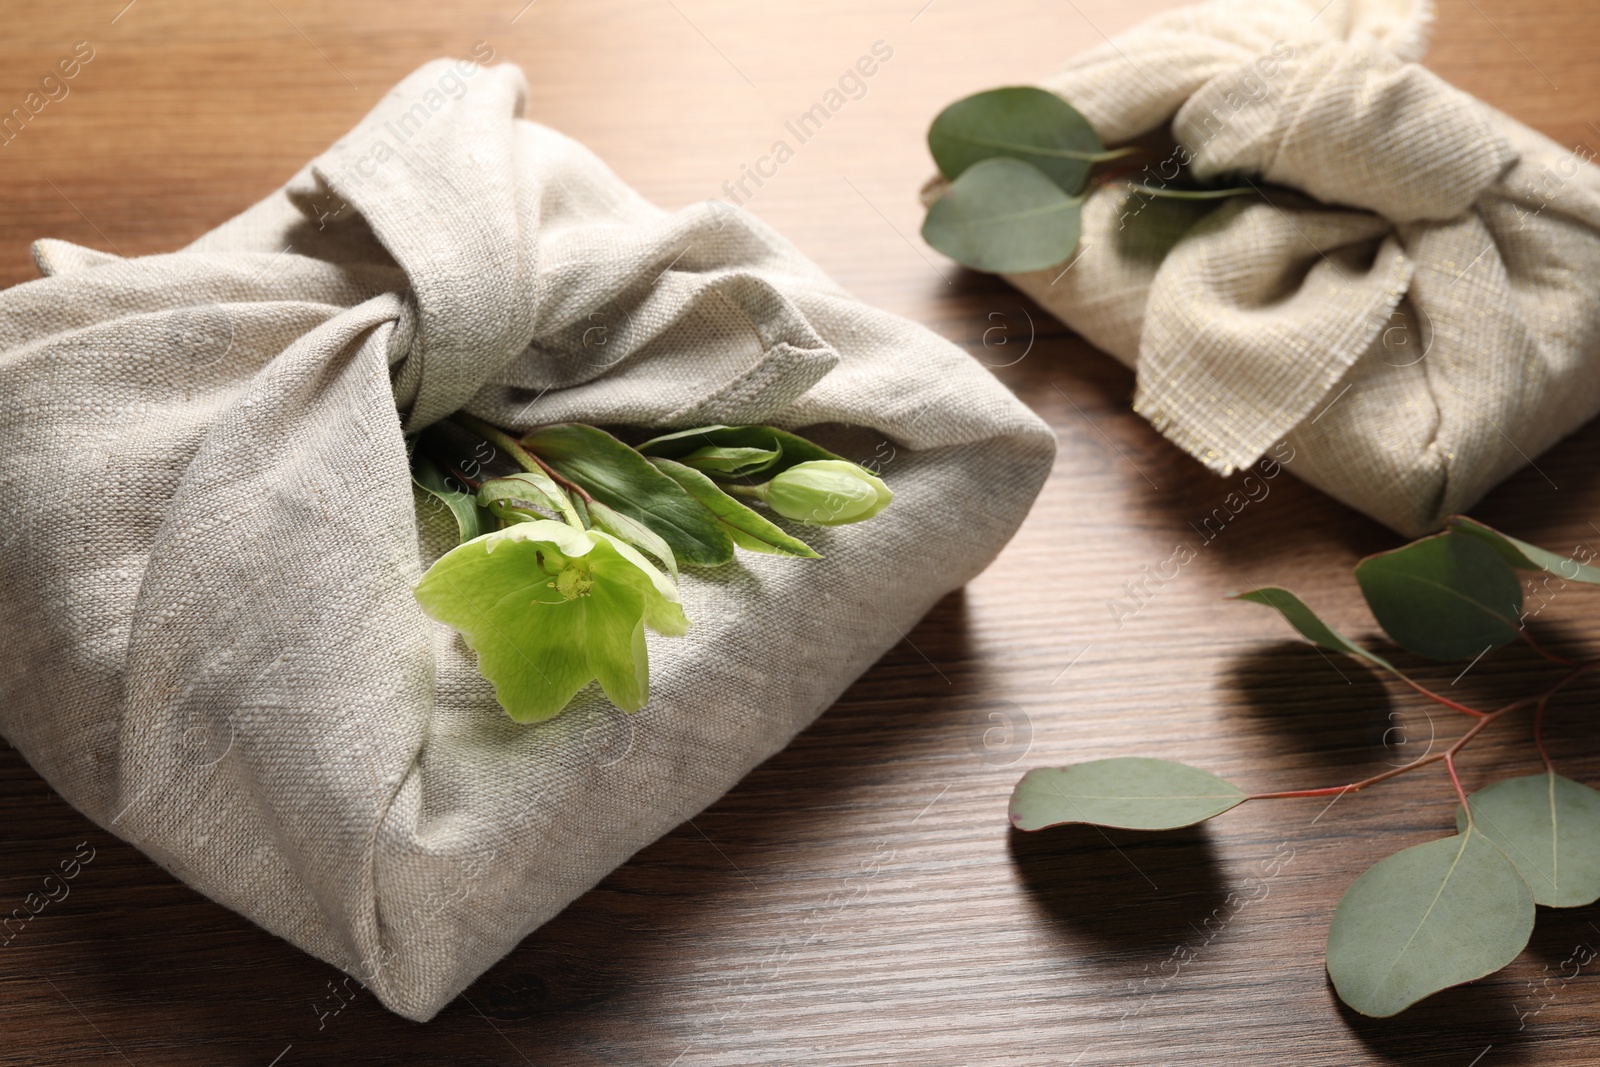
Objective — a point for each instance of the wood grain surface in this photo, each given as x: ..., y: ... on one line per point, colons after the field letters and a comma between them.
x: 859, y: 898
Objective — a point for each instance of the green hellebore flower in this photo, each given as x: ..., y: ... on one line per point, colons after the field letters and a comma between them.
x: 826, y: 492
x: 548, y: 607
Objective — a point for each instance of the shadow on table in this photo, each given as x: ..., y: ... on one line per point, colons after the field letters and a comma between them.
x: 1337, y: 724
x: 1338, y: 712
x: 1136, y: 891
x: 1468, y: 1026
x: 172, y: 978
x: 1330, y: 707
x: 673, y: 907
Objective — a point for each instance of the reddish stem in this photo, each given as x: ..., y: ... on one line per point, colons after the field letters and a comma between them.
x: 1538, y: 734
x: 1544, y: 700
x: 514, y: 448
x: 470, y: 483
x: 1546, y: 653
x: 1439, y: 697
x: 1356, y: 787
x: 1484, y: 719
x: 559, y: 479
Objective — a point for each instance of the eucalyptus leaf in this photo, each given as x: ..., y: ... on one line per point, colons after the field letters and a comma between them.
x: 1427, y: 918
x: 1524, y: 556
x: 1449, y: 597
x: 635, y: 533
x: 621, y: 478
x: 1549, y: 828
x: 748, y: 529
x: 791, y: 448
x: 1133, y: 793
x: 1005, y: 217
x: 472, y: 520
x: 1022, y: 123
x: 1308, y: 625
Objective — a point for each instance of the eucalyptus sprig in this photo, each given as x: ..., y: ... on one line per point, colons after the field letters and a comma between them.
x: 1018, y: 162
x: 570, y: 540
x: 1446, y: 911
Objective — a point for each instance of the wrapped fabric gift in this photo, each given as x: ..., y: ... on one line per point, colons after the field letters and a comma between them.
x: 211, y: 538
x: 1411, y: 301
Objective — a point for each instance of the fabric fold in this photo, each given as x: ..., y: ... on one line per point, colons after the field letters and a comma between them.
x: 211, y: 535
x: 1403, y: 301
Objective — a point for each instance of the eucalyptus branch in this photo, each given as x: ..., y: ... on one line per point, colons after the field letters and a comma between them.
x: 1541, y: 650
x: 1485, y: 718
x: 1438, y: 698
x: 1446, y: 911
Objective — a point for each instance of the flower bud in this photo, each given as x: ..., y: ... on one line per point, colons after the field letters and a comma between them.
x: 827, y: 492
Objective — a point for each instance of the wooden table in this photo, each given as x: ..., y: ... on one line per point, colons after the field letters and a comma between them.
x: 736, y: 940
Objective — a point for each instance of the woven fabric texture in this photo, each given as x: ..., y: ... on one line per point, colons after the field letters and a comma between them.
x: 1410, y: 300
x: 211, y: 536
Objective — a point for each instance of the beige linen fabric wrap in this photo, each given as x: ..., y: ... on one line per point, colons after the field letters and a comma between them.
x: 1419, y: 323
x: 211, y: 537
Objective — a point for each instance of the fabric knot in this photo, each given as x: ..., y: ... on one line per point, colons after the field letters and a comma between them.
x: 476, y: 208
x: 404, y: 172
x: 1349, y: 123
x: 1399, y: 305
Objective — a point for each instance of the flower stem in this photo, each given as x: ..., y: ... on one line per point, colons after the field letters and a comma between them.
x: 561, y: 479
x: 513, y: 448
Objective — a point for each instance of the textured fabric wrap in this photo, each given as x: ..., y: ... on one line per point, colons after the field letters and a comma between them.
x: 211, y: 537
x: 1412, y: 300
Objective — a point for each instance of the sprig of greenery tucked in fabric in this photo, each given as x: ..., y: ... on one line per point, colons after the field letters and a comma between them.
x: 1446, y: 911
x: 1018, y: 163
x: 571, y: 540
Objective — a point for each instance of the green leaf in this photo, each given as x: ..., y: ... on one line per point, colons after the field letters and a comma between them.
x: 1422, y: 920
x: 1524, y: 556
x: 1307, y: 624
x: 548, y: 607
x: 748, y: 529
x: 1021, y: 123
x: 731, y: 461
x: 1005, y: 217
x: 471, y: 519
x: 621, y: 478
x: 1169, y: 193
x: 1132, y: 793
x: 634, y: 532
x: 1549, y: 828
x: 531, y: 487
x: 1449, y: 596
x: 791, y: 448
